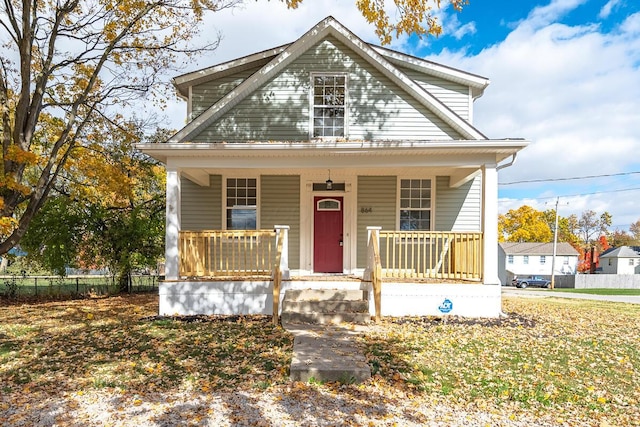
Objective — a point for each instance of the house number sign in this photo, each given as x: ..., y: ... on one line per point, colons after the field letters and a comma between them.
x: 366, y: 209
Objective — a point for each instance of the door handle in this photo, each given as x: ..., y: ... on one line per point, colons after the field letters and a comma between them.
x: 341, y: 244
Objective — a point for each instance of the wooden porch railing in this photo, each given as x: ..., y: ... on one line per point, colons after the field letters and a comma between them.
x: 431, y: 255
x: 227, y: 253
x: 237, y: 253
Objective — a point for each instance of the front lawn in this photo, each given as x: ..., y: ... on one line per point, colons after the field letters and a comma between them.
x: 116, y: 342
x: 578, y: 360
x: 566, y: 362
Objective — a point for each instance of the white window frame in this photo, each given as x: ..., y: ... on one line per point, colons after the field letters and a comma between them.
x: 312, y: 105
x: 328, y: 199
x: 225, y: 209
x: 510, y: 259
x: 431, y: 209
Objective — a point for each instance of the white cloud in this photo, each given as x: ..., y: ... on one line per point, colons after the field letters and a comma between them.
x: 608, y: 8
x: 573, y: 92
x: 631, y: 25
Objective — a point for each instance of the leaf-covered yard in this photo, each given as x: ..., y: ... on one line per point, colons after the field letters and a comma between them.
x: 111, y: 362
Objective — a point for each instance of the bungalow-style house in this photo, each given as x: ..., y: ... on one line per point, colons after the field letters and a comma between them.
x: 622, y: 260
x: 535, y: 259
x: 331, y: 163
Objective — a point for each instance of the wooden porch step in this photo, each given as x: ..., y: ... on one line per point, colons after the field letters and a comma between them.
x: 324, y: 307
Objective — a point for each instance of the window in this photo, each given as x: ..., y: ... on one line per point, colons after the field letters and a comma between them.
x: 566, y: 260
x: 510, y: 259
x: 415, y: 204
x: 526, y: 259
x: 328, y: 205
x: 630, y: 261
x: 329, y: 100
x: 241, y: 203
x: 543, y: 259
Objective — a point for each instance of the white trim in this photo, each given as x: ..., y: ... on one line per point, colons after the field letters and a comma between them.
x: 173, y: 221
x: 432, y: 209
x: 312, y: 105
x: 329, y: 199
x: 349, y: 224
x: 489, y: 213
x: 251, y: 175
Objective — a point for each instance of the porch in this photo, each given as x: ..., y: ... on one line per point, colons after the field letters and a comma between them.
x: 407, y: 273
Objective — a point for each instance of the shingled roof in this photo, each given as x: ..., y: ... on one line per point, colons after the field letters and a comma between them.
x: 528, y: 248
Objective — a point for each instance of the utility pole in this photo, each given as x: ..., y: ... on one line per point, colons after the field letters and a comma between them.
x: 555, y: 247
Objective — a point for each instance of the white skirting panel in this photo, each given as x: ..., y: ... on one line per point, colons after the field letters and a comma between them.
x: 188, y: 298
x: 468, y: 300
x: 398, y: 299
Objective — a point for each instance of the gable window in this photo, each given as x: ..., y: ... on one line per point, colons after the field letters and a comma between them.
x: 543, y: 259
x: 526, y: 259
x: 415, y: 204
x: 329, y: 101
x: 242, y: 203
x: 510, y: 259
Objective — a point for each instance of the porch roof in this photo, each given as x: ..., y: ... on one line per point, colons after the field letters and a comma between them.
x: 498, y: 150
x: 466, y: 157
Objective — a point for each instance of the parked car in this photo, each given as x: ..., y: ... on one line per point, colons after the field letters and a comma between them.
x: 523, y: 282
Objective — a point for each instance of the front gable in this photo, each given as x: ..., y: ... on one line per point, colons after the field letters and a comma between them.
x: 272, y: 101
x: 377, y: 108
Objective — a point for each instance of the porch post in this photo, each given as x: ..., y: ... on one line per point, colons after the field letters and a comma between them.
x: 171, y: 269
x: 282, y: 232
x: 367, y: 270
x: 490, y: 224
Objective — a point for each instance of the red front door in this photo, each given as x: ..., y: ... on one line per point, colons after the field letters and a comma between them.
x: 327, y: 235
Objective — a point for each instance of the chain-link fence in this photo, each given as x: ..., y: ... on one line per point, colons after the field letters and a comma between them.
x: 53, y: 287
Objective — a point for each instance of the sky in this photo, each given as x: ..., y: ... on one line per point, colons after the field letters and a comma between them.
x: 565, y: 75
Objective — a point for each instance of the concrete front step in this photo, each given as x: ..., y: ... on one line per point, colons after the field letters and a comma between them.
x: 326, y: 354
x: 324, y: 306
x: 324, y: 295
x: 325, y: 318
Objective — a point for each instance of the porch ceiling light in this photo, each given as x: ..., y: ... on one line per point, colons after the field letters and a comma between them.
x: 329, y: 182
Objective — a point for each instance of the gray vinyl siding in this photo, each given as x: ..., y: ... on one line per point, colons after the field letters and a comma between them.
x: 458, y: 209
x: 206, y: 94
x: 201, y: 207
x: 377, y: 108
x: 379, y: 194
x: 280, y: 205
x: 453, y: 95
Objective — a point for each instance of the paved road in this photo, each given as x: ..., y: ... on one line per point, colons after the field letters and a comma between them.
x: 542, y: 293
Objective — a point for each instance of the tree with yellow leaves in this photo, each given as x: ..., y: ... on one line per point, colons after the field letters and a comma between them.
x: 68, y: 68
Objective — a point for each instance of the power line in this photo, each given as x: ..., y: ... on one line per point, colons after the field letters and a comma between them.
x: 586, y: 194
x: 569, y: 179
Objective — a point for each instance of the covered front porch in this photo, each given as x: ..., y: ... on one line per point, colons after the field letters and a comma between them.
x: 431, y: 206
x: 407, y: 273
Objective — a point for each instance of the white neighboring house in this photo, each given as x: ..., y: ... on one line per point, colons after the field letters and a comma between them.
x: 622, y: 260
x: 535, y: 259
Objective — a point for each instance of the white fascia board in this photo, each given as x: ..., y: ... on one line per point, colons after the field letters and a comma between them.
x: 475, y: 81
